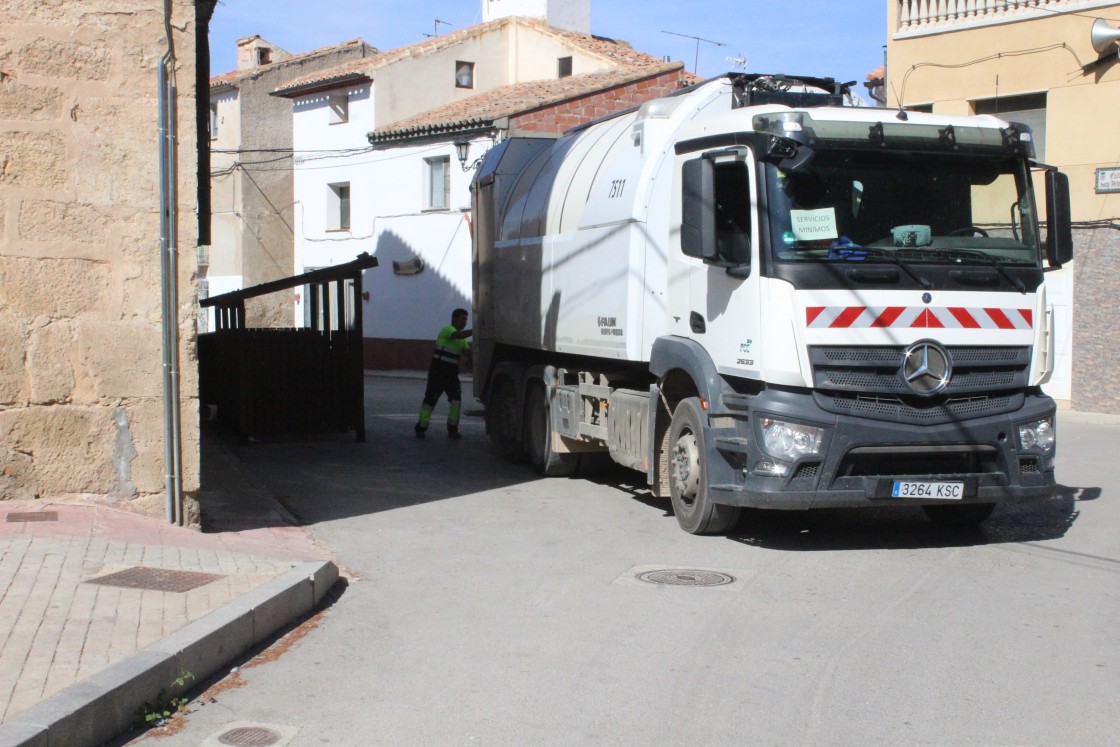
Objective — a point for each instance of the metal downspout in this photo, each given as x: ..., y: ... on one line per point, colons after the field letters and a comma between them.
x: 168, y: 219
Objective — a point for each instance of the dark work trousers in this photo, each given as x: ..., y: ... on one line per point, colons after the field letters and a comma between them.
x: 443, y: 378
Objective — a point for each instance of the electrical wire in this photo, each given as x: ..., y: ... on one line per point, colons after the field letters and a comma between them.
x: 996, y: 56
x: 301, y: 167
x: 362, y: 149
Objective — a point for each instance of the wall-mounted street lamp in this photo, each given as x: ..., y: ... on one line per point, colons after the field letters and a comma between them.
x: 463, y: 151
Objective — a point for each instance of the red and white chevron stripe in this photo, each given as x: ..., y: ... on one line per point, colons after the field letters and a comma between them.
x: 925, y: 317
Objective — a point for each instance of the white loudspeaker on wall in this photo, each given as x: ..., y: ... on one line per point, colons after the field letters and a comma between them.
x: 1105, y: 37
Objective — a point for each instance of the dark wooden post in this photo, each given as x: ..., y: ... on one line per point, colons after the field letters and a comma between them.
x: 359, y: 364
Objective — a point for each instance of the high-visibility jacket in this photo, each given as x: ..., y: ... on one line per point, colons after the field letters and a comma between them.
x: 449, y: 349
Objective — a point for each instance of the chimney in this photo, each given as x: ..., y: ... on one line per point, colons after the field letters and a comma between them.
x: 253, y: 51
x: 573, y: 15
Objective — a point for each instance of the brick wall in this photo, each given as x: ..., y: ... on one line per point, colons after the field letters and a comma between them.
x: 1096, y: 349
x: 80, y: 310
x: 579, y: 111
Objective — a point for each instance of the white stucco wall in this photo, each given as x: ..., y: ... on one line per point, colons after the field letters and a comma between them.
x: 225, y: 202
x: 418, y: 84
x: 503, y: 56
x: 387, y: 218
x: 216, y: 286
x: 574, y: 15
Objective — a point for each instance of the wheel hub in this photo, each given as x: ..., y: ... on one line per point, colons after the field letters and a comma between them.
x: 686, y: 466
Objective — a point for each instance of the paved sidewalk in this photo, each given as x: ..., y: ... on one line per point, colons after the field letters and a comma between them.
x: 98, y: 605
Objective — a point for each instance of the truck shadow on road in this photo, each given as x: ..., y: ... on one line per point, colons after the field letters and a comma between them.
x: 903, y: 527
x: 890, y: 527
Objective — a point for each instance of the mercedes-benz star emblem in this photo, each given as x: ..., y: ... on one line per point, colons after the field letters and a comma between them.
x: 927, y: 368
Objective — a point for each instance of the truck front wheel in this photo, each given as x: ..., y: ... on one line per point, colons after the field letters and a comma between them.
x: 538, y: 423
x: 688, y: 475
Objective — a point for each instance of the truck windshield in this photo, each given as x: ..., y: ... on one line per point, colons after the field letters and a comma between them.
x: 924, y: 208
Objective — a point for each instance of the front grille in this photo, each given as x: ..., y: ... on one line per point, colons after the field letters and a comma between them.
x: 891, y: 382
x: 879, y: 462
x: 878, y: 369
x: 910, y: 410
x: 845, y: 355
x: 806, y: 470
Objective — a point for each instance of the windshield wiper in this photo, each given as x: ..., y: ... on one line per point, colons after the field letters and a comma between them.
x: 990, y: 261
x: 893, y: 257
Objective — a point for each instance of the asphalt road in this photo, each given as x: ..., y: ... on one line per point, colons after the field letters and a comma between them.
x: 490, y: 607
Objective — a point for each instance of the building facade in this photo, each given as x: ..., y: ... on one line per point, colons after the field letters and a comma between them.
x: 91, y: 318
x: 251, y: 174
x: 377, y: 169
x: 1034, y: 62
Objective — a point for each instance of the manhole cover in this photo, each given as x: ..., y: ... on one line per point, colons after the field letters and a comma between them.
x: 32, y: 516
x: 686, y: 577
x: 249, y: 736
x: 157, y: 579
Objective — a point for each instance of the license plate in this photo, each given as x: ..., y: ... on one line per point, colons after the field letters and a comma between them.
x: 952, y: 491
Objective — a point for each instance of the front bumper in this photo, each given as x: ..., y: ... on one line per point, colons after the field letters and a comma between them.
x: 861, y: 458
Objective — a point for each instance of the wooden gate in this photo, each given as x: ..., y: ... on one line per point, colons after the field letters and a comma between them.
x: 296, y: 380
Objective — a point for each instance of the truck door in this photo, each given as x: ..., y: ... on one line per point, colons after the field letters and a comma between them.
x: 723, y: 290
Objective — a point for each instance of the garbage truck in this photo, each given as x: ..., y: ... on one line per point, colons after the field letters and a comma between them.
x: 758, y: 294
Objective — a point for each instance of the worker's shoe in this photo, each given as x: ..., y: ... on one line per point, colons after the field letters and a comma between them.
x: 420, y: 430
x: 453, y: 433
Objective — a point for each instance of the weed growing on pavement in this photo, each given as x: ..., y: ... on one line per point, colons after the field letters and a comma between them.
x: 154, y: 714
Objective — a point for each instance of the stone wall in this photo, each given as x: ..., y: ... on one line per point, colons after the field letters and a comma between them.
x: 1096, y: 360
x: 80, y: 306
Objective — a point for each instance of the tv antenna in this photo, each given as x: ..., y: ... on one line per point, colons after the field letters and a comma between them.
x: 738, y: 62
x: 435, y: 27
x: 696, y: 62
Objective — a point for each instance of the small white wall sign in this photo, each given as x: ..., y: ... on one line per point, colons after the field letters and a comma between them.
x: 1108, y: 180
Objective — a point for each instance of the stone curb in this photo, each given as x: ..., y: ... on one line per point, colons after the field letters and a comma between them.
x: 106, y: 705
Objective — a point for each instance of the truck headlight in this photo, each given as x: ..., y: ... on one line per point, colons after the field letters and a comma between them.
x: 1037, y: 436
x: 790, y: 441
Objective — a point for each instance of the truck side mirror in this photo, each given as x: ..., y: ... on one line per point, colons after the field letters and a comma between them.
x: 698, y: 209
x: 1059, y: 231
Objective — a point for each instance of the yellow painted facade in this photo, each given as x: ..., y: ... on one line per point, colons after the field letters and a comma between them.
x: 950, y: 54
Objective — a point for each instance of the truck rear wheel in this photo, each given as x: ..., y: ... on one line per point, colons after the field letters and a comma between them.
x: 688, y: 475
x: 969, y: 513
x: 501, y: 422
x: 538, y: 425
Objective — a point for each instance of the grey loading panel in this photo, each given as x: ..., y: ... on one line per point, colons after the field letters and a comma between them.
x: 618, y: 417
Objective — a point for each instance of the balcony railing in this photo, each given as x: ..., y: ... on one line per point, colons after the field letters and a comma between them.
x: 931, y: 16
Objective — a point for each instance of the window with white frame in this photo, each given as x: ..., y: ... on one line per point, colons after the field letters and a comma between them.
x: 437, y: 183
x: 339, y: 104
x: 338, y: 206
x: 213, y: 120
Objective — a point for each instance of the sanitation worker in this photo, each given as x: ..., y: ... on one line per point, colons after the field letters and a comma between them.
x: 443, y: 375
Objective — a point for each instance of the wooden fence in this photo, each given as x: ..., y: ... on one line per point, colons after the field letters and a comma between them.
x: 297, y: 380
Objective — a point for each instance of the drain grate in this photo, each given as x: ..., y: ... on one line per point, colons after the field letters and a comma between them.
x: 249, y: 736
x: 32, y: 516
x: 686, y: 577
x: 156, y: 579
